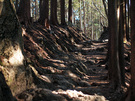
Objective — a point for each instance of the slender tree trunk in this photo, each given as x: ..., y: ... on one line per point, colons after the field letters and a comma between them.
x: 44, y: 13
x: 84, y: 18
x: 31, y: 9
x: 125, y: 20
x: 88, y: 21
x: 80, y: 13
x: 131, y: 93
x: 114, y: 71
x: 36, y: 10
x: 73, y: 18
x: 121, y: 45
x: 128, y: 20
x: 62, y: 2
x: 53, y: 18
x: 23, y: 12
x: 55, y: 8
x: 70, y: 12
x: 92, y: 28
x: 106, y: 11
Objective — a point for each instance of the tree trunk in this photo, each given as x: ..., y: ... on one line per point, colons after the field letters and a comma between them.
x: 92, y: 26
x: 53, y: 18
x: 62, y: 2
x: 88, y: 20
x: 84, y: 18
x: 44, y: 13
x: 131, y: 93
x: 128, y: 20
x: 55, y: 9
x: 80, y: 14
x: 36, y: 10
x: 70, y: 12
x: 106, y: 11
x: 5, y: 92
x: 114, y: 71
x: 23, y: 12
x: 121, y: 45
x: 12, y: 66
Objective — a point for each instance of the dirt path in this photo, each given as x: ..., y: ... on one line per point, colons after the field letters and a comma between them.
x: 67, y: 66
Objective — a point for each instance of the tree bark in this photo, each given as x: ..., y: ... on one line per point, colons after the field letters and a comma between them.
x: 53, y: 18
x: 62, y: 2
x: 121, y: 45
x: 131, y: 93
x: 84, y: 18
x: 12, y: 65
x: 128, y: 20
x: 23, y: 12
x: 106, y: 11
x: 80, y: 14
x: 70, y: 12
x: 114, y: 71
x: 36, y: 10
x: 44, y: 13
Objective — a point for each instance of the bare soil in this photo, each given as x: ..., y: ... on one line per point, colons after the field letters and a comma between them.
x: 68, y: 66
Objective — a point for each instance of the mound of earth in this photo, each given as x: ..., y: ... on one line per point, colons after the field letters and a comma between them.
x: 67, y: 66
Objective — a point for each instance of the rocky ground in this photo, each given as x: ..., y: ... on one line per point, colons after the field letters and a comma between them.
x: 67, y: 66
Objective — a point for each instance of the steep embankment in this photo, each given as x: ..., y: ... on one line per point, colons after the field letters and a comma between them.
x: 66, y: 64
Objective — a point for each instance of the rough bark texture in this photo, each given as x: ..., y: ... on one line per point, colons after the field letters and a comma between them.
x: 121, y: 45
x: 80, y: 14
x: 53, y: 18
x: 70, y: 12
x: 84, y: 18
x: 36, y: 10
x: 63, y: 22
x: 106, y: 10
x: 11, y: 55
x: 114, y: 58
x: 23, y: 12
x: 128, y: 21
x: 5, y: 92
x: 44, y: 13
x: 132, y: 83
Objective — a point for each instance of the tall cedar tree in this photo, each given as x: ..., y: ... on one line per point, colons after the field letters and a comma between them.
x: 23, y: 12
x: 53, y: 18
x: 113, y: 54
x: 84, y: 18
x: 70, y: 12
x: 128, y: 20
x: 121, y: 45
x: 44, y: 13
x: 131, y: 93
x: 62, y: 2
x: 80, y: 14
x: 125, y: 20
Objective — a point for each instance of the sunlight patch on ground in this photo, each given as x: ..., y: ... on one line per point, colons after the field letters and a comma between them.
x: 80, y: 96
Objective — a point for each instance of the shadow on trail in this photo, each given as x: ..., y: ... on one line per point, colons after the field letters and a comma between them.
x: 66, y: 63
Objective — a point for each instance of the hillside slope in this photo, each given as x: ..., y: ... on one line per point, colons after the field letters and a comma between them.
x: 66, y: 65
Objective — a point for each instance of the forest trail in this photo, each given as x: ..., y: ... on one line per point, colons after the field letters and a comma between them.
x: 68, y: 66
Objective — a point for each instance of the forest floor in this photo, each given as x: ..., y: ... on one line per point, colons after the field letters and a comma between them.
x: 68, y: 66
